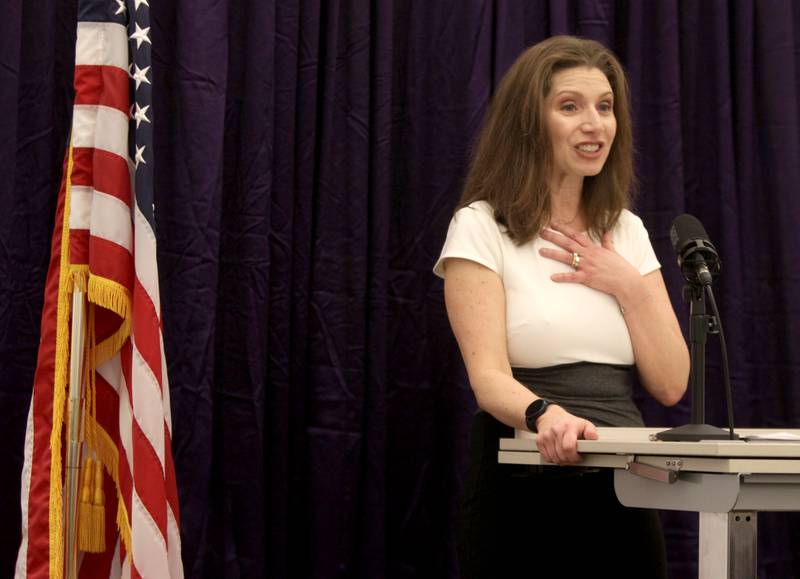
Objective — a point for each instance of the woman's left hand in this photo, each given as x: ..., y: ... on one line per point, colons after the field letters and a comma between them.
x: 599, y: 267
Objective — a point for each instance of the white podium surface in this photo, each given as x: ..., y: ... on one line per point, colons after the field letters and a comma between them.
x: 726, y: 481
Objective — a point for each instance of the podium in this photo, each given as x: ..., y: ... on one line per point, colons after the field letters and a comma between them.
x: 726, y: 481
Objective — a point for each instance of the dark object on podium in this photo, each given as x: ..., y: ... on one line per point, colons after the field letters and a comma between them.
x: 700, y: 264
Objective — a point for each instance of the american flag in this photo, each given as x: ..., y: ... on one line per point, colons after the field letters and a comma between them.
x: 104, y: 243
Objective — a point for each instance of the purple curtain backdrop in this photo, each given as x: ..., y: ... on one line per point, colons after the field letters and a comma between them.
x: 309, y: 156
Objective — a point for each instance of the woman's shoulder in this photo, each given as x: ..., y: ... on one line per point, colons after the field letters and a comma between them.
x: 628, y: 217
x: 478, y: 212
x: 477, y: 207
x: 628, y: 222
x: 473, y: 235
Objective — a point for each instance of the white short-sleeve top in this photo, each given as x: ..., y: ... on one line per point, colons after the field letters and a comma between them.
x: 549, y: 323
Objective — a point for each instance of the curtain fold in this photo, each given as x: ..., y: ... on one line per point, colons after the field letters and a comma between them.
x: 308, y: 157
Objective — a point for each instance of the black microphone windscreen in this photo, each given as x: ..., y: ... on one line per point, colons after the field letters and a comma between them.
x: 685, y: 228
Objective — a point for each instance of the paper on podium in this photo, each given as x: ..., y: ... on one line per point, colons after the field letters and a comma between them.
x: 773, y: 437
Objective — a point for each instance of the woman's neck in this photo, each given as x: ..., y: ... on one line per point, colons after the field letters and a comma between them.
x: 565, y: 202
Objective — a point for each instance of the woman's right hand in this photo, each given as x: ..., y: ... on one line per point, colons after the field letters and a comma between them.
x: 558, y: 434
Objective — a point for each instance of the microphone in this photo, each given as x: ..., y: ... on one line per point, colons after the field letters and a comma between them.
x: 700, y: 263
x: 697, y: 256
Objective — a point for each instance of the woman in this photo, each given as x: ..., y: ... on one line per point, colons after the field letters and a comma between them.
x: 554, y: 293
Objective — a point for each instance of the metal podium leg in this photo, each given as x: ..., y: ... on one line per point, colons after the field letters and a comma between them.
x: 728, y: 543
x: 744, y: 543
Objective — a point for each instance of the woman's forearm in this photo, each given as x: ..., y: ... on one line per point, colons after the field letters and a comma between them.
x: 502, y: 396
x: 662, y: 358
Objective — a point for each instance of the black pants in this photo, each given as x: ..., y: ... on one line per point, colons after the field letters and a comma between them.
x: 527, y: 522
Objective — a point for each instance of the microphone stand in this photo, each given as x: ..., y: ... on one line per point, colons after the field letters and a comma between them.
x: 700, y: 325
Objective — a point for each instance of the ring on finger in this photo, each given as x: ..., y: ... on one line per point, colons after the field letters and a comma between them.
x: 576, y: 260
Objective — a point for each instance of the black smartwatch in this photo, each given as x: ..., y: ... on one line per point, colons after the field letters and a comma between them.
x: 534, y: 411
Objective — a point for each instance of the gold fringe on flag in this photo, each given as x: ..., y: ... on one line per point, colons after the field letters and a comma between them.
x: 79, y: 276
x: 60, y: 387
x: 112, y: 296
x: 105, y: 449
x: 123, y: 524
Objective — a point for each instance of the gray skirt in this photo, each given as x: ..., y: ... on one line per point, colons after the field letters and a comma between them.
x: 600, y: 393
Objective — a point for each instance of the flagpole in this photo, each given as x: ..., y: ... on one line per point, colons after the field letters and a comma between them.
x: 77, y: 342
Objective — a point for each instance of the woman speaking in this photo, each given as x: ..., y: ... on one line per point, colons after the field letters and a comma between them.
x: 555, y: 296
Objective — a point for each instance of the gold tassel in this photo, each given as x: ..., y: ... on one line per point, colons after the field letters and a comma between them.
x: 98, y: 510
x: 92, y: 509
x: 85, y: 507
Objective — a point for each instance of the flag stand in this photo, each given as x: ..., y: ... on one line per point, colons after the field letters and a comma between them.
x: 77, y: 341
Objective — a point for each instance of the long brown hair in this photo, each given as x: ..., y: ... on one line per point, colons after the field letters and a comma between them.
x: 512, y: 159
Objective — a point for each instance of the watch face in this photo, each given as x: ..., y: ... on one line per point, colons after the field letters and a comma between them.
x: 534, y: 411
x: 536, y: 408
